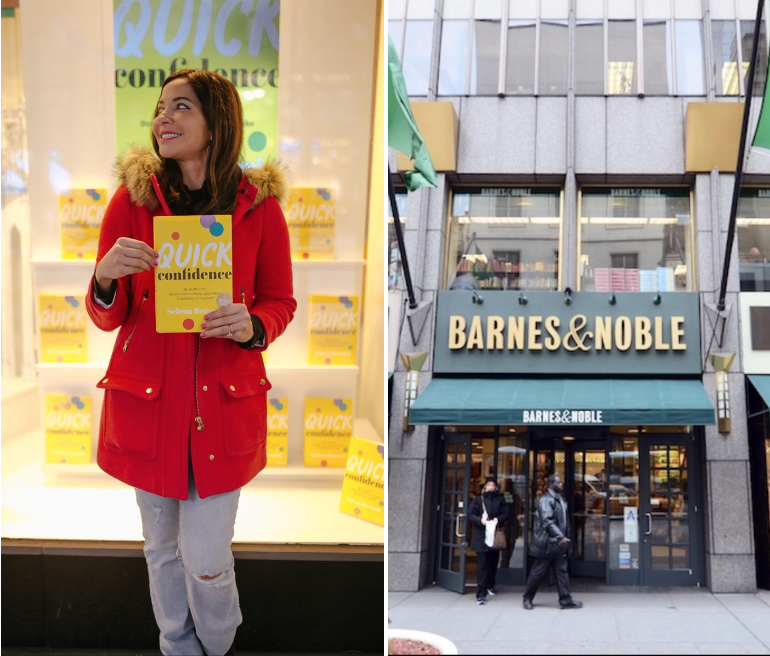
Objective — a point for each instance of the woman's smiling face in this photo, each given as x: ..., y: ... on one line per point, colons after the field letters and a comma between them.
x: 179, y: 125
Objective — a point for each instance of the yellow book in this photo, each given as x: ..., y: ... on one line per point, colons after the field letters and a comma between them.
x: 328, y: 428
x: 310, y: 215
x: 277, y: 432
x: 80, y: 218
x: 333, y: 329
x: 363, y: 488
x: 194, y: 275
x: 61, y: 321
x: 67, y: 429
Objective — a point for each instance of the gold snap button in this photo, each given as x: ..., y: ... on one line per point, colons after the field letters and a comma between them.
x: 211, y: 457
x: 105, y: 380
x: 262, y: 381
x: 205, y: 388
x: 232, y: 387
x: 149, y: 390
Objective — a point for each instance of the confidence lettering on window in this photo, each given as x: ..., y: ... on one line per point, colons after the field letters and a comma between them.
x: 581, y: 334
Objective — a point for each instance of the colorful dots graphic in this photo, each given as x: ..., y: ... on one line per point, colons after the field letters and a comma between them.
x: 277, y: 403
x: 93, y: 194
x: 323, y: 193
x: 345, y: 450
x: 257, y: 141
x: 72, y: 301
x: 280, y: 448
x: 323, y: 463
x: 381, y: 450
x: 357, y: 511
x: 382, y: 503
x: 208, y: 220
x: 305, y: 255
x: 188, y: 324
x: 174, y: 236
x: 80, y: 256
x: 360, y: 453
x: 217, y: 229
x: 328, y: 361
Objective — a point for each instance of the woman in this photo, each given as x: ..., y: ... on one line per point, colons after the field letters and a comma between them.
x: 489, y: 506
x: 184, y: 415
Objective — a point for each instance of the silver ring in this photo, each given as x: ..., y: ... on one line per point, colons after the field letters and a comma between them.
x: 229, y: 330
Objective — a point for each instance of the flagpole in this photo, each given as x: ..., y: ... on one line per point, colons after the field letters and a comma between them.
x: 400, y: 239
x: 741, y: 154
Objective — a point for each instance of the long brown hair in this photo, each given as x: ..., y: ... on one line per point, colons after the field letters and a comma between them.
x: 222, y: 109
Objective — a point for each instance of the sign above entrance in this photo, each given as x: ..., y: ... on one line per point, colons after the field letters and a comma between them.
x: 555, y: 333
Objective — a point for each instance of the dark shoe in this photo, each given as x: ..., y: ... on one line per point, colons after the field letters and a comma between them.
x: 491, y: 592
x: 481, y: 601
x: 528, y: 604
x: 571, y: 604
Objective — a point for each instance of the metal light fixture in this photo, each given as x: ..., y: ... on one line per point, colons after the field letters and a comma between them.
x: 568, y: 296
x: 522, y: 299
x: 613, y: 300
x: 721, y: 363
x: 413, y: 363
x: 657, y: 299
x: 477, y: 299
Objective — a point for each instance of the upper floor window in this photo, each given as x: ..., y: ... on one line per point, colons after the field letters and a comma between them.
x: 504, y: 238
x: 413, y: 40
x: 395, y: 270
x: 753, y: 232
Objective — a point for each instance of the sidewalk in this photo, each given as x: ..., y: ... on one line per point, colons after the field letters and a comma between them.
x: 613, y: 621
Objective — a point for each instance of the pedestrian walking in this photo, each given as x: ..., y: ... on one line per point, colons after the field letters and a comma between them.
x: 489, y: 508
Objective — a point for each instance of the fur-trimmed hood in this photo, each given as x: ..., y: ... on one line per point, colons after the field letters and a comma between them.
x: 139, y: 163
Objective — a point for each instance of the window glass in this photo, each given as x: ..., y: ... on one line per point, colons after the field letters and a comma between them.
x: 416, y: 64
x: 394, y: 32
x: 753, y: 231
x: 658, y: 68
x: 725, y: 58
x: 395, y: 273
x: 635, y: 239
x: 520, y: 73
x: 589, y: 58
x: 621, y: 66
x: 504, y: 238
x: 747, y: 38
x: 485, y: 57
x: 690, y: 68
x: 554, y: 52
x: 453, y: 59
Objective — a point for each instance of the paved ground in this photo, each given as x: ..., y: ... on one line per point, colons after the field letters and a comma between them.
x: 613, y: 621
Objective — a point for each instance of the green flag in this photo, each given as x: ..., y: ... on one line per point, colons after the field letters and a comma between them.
x: 762, y: 135
x: 403, y: 134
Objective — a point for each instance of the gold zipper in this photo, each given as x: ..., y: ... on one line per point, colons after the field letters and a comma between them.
x: 198, y: 418
x: 136, y: 321
x: 243, y: 296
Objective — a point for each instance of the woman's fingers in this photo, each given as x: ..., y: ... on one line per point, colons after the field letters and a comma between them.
x: 233, y: 317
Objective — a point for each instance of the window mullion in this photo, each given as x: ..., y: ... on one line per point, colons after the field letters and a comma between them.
x: 606, y: 50
x: 739, y: 55
x: 537, y: 52
x: 469, y: 54
x: 503, y: 68
x: 674, y: 60
x: 640, y: 48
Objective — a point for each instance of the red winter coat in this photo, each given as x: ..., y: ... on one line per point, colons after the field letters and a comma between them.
x: 156, y: 384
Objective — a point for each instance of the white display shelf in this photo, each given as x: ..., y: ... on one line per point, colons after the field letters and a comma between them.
x: 327, y: 263
x: 63, y: 366
x: 39, y: 503
x: 45, y: 261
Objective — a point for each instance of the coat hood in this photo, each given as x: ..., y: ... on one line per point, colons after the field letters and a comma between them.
x: 139, y: 163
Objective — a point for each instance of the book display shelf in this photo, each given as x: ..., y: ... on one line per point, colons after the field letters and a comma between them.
x: 52, y: 487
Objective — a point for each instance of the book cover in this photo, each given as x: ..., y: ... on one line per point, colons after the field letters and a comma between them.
x: 310, y: 215
x: 328, y: 429
x: 195, y: 270
x: 333, y: 329
x: 61, y: 322
x: 277, y: 432
x: 67, y: 429
x: 363, y: 488
x: 80, y: 218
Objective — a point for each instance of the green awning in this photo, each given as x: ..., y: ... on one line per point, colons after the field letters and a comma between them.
x: 762, y: 385
x: 561, y: 402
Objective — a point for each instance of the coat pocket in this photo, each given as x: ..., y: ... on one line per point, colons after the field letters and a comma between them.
x: 130, y: 415
x: 244, y: 412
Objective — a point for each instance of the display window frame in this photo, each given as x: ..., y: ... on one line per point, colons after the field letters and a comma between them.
x: 690, y: 239
x: 450, y: 272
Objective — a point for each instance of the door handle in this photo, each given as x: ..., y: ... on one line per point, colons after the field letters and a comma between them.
x: 457, y: 526
x: 649, y: 524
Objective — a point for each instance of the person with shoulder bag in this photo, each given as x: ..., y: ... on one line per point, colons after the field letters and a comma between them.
x: 550, y: 545
x: 489, y: 514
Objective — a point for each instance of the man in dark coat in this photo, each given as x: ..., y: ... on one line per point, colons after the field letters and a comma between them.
x: 489, y: 506
x: 550, y: 545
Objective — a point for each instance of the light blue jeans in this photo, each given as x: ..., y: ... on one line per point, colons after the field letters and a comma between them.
x: 192, y: 577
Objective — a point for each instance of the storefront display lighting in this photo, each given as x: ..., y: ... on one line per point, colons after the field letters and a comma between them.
x: 721, y: 363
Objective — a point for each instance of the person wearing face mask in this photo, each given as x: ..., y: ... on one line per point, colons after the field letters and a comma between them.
x: 550, y: 545
x: 184, y: 419
x: 488, y: 507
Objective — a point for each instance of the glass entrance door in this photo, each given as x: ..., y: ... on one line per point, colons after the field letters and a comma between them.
x: 588, y: 507
x: 453, y: 537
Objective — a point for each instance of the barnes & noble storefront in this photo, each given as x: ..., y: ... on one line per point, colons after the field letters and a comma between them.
x: 616, y: 409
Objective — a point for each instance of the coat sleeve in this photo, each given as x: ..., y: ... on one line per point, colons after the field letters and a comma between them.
x: 504, y: 515
x: 274, y: 303
x: 547, y: 512
x: 474, y: 511
x: 116, y: 223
